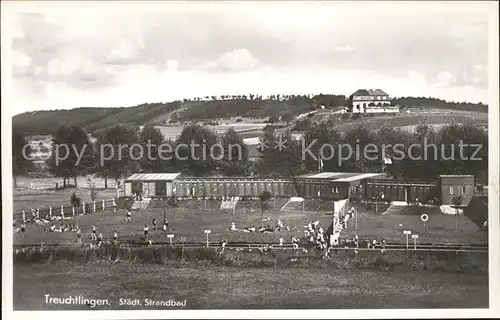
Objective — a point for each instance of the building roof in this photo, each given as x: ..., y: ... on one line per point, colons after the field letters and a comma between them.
x: 369, y: 92
x: 358, y: 177
x: 340, y: 176
x: 144, y: 177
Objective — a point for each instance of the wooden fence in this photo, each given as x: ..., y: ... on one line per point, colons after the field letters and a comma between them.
x: 65, y: 211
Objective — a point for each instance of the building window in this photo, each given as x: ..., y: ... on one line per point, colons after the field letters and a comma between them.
x: 463, y: 190
x: 451, y: 190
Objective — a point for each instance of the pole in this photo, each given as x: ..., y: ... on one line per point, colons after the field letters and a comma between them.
x: 356, y: 218
x: 406, y: 242
x: 182, y: 254
x: 207, y: 240
x: 415, y: 243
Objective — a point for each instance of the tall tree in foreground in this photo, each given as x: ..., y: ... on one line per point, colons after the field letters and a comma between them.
x: 281, y: 155
x: 321, y: 140
x: 235, y: 159
x: 72, y: 154
x: 116, y: 158
x: 196, y: 152
x: 20, y: 161
x: 151, y: 139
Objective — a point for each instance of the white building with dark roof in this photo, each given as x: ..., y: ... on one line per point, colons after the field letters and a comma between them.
x: 371, y: 101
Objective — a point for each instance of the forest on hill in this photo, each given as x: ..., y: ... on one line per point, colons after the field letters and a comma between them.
x: 96, y: 119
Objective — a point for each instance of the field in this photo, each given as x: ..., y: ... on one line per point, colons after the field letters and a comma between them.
x: 439, y: 228
x: 249, y: 129
x: 190, y: 219
x: 250, y: 279
x: 214, y: 287
x: 189, y: 223
x: 25, y: 199
x: 411, y: 120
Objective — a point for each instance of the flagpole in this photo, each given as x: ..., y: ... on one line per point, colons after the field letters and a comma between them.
x: 319, y: 162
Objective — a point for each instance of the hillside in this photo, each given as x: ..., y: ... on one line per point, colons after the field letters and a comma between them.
x: 47, y: 122
x: 433, y: 103
x: 246, y: 108
x: 91, y: 119
x: 96, y: 119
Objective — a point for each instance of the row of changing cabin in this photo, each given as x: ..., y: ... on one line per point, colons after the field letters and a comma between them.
x: 332, y: 185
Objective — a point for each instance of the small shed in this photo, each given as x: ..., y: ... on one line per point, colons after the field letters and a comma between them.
x: 454, y: 186
x: 151, y: 185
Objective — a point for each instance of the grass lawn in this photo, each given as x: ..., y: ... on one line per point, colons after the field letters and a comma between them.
x: 403, y: 120
x: 25, y: 199
x: 185, y: 222
x: 439, y: 227
x: 233, y: 288
x: 50, y: 182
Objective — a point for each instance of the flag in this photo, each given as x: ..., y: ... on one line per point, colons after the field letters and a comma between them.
x: 320, y: 164
x: 387, y: 161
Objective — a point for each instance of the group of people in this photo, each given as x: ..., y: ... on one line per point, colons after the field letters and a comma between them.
x: 165, y: 228
x: 96, y: 238
x: 21, y: 228
x: 63, y: 227
x: 264, y: 229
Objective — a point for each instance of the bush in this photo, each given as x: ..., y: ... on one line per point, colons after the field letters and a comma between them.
x: 367, y: 260
x: 124, y: 202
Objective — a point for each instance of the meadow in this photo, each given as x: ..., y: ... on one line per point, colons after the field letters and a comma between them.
x: 440, y: 228
x: 184, y: 222
x: 246, y: 279
x: 26, y: 198
x: 190, y: 218
x: 411, y: 120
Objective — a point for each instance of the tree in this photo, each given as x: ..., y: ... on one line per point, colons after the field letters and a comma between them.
x: 456, y: 161
x: 72, y: 154
x: 174, y: 117
x: 263, y: 197
x: 115, y: 156
x: 280, y: 161
x: 358, y: 137
x: 287, y: 117
x: 92, y: 188
x: 316, y: 137
x: 75, y: 200
x: 20, y: 162
x: 151, y: 139
x: 272, y: 119
x: 302, y: 125
x: 196, y: 153
x: 235, y: 161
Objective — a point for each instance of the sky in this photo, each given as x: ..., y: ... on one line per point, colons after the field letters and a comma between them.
x: 92, y: 55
